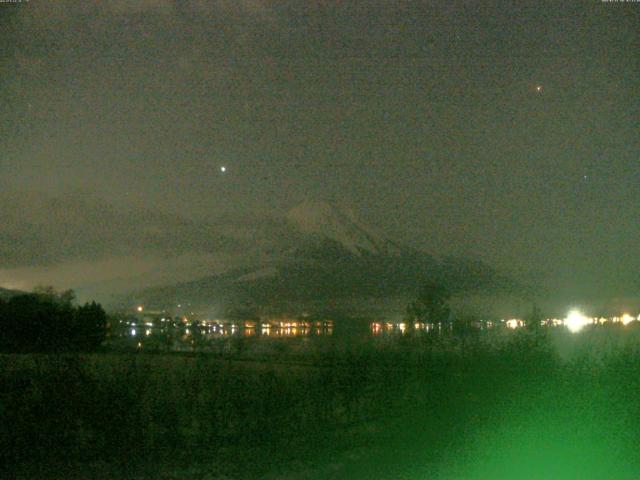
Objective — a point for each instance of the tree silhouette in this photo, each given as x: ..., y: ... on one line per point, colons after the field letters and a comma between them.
x: 90, y: 326
x: 48, y: 321
x: 534, y: 319
x: 431, y: 305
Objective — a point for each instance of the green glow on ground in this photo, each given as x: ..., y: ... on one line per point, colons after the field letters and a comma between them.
x: 580, y: 428
x: 546, y: 447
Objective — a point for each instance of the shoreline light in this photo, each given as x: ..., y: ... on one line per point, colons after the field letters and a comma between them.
x: 626, y: 319
x: 575, y: 321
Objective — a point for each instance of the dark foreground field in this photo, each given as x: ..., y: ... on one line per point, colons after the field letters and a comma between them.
x: 522, y: 406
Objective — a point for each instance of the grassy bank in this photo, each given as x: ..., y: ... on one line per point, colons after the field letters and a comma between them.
x: 437, y: 409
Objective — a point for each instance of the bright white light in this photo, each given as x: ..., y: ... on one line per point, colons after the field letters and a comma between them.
x: 223, y: 169
x: 626, y: 319
x: 513, y: 323
x: 133, y: 332
x: 140, y: 308
x: 575, y: 321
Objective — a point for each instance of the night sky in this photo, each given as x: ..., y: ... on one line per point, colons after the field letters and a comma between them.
x: 505, y: 132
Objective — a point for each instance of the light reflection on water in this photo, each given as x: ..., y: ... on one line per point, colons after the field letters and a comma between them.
x: 203, y: 332
x: 180, y: 336
x: 379, y: 329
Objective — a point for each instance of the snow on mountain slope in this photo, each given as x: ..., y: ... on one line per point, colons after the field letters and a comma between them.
x: 323, y: 220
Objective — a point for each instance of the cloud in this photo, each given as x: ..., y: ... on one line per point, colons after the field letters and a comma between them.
x: 101, y: 279
x: 42, y: 13
x: 49, y: 13
x: 78, y: 241
x: 40, y: 230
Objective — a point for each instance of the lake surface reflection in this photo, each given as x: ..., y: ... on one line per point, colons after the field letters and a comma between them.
x: 166, y: 334
x: 208, y: 335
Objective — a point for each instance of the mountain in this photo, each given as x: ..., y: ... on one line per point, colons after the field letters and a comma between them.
x: 326, y: 259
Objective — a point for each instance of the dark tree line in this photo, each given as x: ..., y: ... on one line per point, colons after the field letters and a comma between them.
x: 431, y: 305
x: 47, y: 321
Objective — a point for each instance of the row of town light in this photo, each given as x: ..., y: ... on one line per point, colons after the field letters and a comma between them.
x: 575, y: 320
